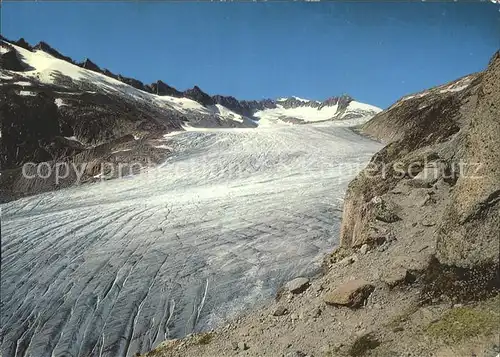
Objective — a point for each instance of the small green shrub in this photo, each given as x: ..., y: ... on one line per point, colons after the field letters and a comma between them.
x: 465, y: 322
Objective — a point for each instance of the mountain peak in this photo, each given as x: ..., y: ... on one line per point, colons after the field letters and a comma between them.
x: 22, y: 43
x: 45, y: 47
x: 161, y: 88
x: 199, y: 96
x: 88, y: 64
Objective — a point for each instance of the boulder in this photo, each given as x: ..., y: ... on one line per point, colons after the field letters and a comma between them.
x: 352, y: 294
x: 364, y: 248
x: 243, y: 346
x: 384, y: 210
x: 348, y: 260
x: 394, y: 276
x: 280, y: 311
x: 297, y: 286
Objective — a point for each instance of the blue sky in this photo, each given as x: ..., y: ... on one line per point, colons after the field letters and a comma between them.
x: 375, y: 52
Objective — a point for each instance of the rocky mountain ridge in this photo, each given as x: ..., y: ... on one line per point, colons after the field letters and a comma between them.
x: 242, y: 107
x: 54, y: 108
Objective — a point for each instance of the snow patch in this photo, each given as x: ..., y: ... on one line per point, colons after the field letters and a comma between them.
x: 301, y: 99
x: 27, y: 93
x: 226, y: 113
x: 122, y: 150
x: 419, y: 95
x: 73, y: 138
x: 163, y: 147
x: 283, y: 99
x: 354, y: 105
x: 22, y: 83
x: 452, y: 90
x: 59, y: 102
x: 457, y: 86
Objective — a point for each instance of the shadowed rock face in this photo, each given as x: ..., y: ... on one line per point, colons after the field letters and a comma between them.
x: 132, y: 82
x: 444, y: 127
x: 88, y: 64
x: 199, y: 96
x: 161, y: 88
x: 342, y: 101
x: 35, y: 130
x: 28, y: 125
x: 22, y: 43
x: 10, y: 61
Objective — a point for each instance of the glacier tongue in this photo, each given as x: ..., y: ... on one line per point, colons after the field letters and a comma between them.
x: 114, y: 268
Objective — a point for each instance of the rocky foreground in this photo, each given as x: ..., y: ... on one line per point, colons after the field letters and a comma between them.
x: 416, y: 272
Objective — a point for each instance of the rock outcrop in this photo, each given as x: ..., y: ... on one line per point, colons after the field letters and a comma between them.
x: 469, y: 234
x: 161, y: 88
x: 342, y: 101
x: 441, y: 165
x: 199, y: 96
x: 88, y: 64
x: 22, y: 43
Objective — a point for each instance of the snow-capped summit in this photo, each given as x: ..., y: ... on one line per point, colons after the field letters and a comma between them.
x: 295, y: 110
x: 283, y: 99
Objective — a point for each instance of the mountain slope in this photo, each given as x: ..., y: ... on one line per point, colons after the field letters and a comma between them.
x: 436, y: 183
x: 45, y: 69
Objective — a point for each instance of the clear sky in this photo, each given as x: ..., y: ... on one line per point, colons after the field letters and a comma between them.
x: 375, y: 52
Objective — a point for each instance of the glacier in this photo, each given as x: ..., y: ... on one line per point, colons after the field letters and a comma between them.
x: 115, y: 267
